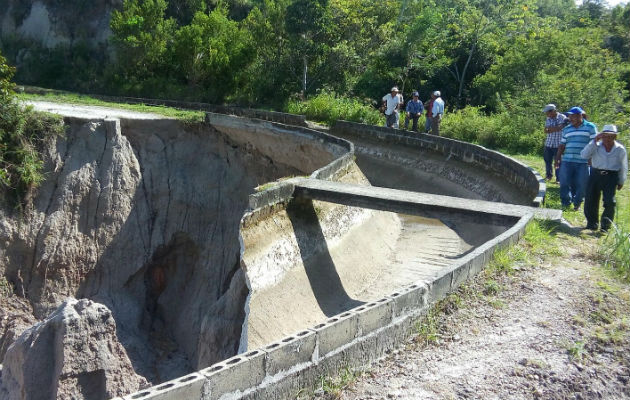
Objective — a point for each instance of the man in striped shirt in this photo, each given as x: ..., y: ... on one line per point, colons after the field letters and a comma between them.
x: 554, y: 124
x: 574, y: 168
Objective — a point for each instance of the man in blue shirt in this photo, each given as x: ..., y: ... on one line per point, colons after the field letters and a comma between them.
x: 414, y: 111
x: 574, y: 168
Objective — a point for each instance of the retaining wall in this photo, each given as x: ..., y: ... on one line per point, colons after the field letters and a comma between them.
x: 513, y: 171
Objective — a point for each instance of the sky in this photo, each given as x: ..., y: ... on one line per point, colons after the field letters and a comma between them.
x: 611, y: 3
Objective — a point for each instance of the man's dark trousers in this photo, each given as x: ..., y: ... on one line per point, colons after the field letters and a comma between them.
x: 600, y: 182
x: 548, y: 155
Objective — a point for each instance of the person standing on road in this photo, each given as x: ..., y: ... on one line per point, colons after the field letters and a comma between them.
x: 437, y: 111
x: 573, y: 167
x: 609, y: 167
x: 414, y: 111
x: 392, y: 102
x: 554, y: 124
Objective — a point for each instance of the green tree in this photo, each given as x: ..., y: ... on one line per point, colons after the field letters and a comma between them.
x: 211, y: 52
x: 141, y: 36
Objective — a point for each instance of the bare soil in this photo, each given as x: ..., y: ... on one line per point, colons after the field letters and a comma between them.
x: 555, y: 328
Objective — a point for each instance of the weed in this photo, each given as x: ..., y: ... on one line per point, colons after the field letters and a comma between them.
x: 615, y: 251
x: 576, y: 350
x: 428, y: 328
x: 334, y: 386
x: 579, y: 320
x: 491, y: 287
x: 496, y: 303
x: 612, y: 333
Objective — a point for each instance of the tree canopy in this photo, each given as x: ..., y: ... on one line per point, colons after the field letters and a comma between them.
x: 499, y: 56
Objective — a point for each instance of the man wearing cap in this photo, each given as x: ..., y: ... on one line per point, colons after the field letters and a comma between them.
x: 554, y: 124
x: 437, y: 112
x: 609, y: 167
x: 392, y: 103
x: 573, y: 167
x: 414, y: 111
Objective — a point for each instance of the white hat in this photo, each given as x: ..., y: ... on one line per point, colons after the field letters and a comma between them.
x: 549, y: 107
x: 610, y: 129
x: 394, y: 89
x: 437, y: 93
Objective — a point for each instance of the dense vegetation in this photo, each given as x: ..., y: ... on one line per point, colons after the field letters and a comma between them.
x: 21, y: 133
x: 497, y: 62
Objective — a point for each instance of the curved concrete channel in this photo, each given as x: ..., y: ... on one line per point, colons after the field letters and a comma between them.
x: 338, y: 274
x: 360, y: 230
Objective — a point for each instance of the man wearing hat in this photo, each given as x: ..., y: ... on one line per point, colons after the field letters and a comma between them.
x: 573, y: 167
x: 414, y: 111
x: 437, y: 112
x: 392, y: 103
x: 609, y: 167
x: 554, y: 124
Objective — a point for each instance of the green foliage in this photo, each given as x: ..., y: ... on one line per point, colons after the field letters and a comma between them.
x: 210, y: 52
x: 616, y: 250
x: 21, y: 132
x: 513, y: 133
x: 326, y: 107
x: 141, y: 36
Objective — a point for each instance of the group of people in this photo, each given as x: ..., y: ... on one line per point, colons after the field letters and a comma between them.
x: 393, y: 103
x: 588, y: 165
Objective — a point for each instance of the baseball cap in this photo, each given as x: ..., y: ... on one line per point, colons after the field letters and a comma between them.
x: 549, y: 107
x: 576, y: 110
x: 415, y: 94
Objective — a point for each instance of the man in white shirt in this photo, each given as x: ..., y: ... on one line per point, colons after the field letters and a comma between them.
x: 392, y: 103
x: 609, y: 167
x: 436, y: 112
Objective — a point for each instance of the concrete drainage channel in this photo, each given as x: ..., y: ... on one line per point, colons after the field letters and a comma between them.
x: 355, y: 337
x: 350, y: 339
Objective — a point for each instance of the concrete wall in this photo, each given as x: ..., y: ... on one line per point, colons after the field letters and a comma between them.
x: 516, y: 173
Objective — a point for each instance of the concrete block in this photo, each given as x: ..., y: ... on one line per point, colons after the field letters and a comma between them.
x: 290, y: 351
x: 477, y: 262
x: 335, y: 332
x: 440, y: 286
x: 186, y: 387
x: 373, y: 316
x: 460, y: 273
x: 235, y: 374
x: 408, y: 300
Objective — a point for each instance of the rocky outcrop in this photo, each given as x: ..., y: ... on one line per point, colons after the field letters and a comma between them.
x: 73, y: 354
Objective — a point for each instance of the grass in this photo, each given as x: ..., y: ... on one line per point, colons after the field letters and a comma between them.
x: 332, y: 387
x: 70, y: 98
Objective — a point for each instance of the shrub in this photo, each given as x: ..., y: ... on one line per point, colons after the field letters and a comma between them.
x: 515, y: 133
x: 326, y: 107
x: 21, y: 133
